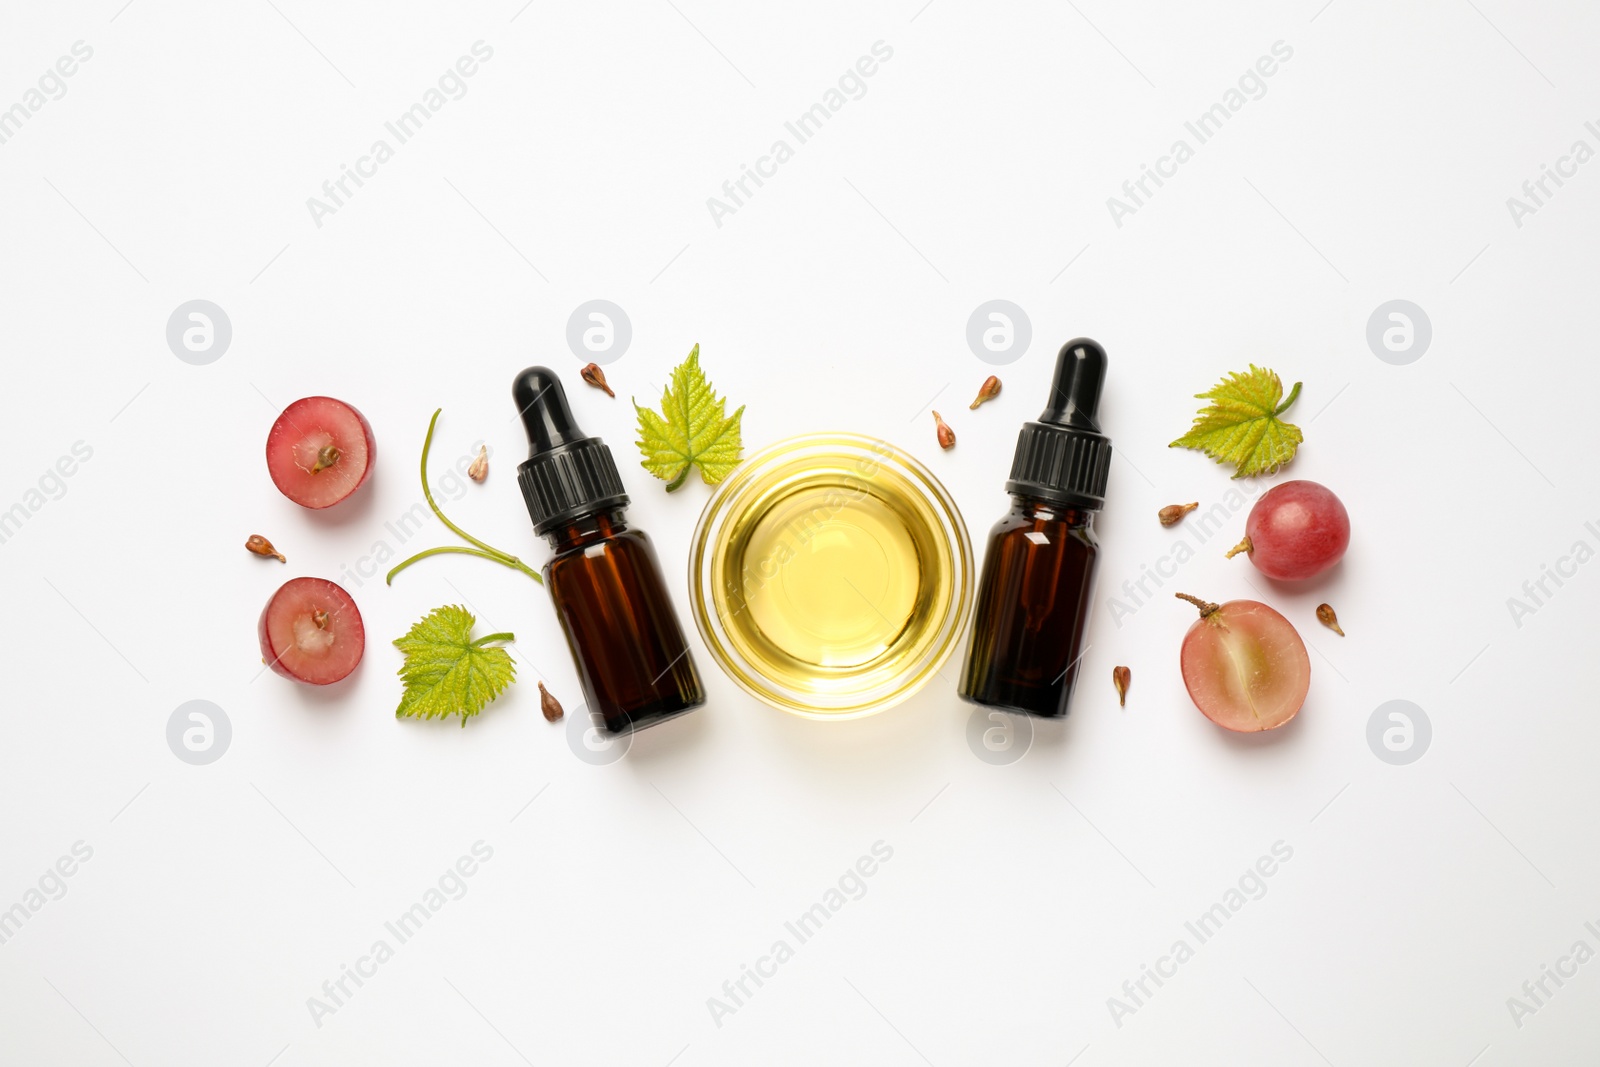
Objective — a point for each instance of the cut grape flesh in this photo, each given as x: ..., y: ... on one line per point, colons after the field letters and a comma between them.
x: 1245, y: 665
x: 311, y: 631
x: 319, y: 451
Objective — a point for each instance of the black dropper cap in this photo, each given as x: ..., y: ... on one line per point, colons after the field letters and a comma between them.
x: 1064, y: 458
x: 566, y: 474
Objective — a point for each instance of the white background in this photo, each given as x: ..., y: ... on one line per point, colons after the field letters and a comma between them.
x: 977, y: 166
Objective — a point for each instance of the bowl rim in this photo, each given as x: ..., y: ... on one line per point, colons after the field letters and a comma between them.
x: 952, y: 529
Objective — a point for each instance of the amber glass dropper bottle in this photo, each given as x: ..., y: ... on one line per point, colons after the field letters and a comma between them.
x: 1038, y: 571
x: 604, y: 578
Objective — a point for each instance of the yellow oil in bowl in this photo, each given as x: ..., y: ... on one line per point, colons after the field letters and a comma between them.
x: 831, y: 575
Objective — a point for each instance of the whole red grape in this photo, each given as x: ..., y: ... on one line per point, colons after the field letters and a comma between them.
x: 1295, y: 531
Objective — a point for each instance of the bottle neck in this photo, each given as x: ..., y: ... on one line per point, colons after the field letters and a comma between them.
x: 586, y: 529
x: 1031, y: 507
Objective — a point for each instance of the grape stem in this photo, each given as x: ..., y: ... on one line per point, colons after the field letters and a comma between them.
x: 1242, y: 546
x: 482, y: 550
x: 1205, y: 606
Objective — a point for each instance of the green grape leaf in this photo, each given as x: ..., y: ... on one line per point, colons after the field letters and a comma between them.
x: 446, y: 672
x: 692, y: 429
x: 1241, y: 424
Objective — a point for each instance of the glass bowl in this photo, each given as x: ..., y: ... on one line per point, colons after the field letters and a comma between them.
x: 831, y: 575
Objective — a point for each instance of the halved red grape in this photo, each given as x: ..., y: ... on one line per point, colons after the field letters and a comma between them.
x: 312, y: 632
x: 1244, y: 665
x: 319, y: 451
x: 1295, y: 531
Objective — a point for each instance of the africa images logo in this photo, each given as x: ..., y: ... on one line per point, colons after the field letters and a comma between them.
x: 1252, y: 85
